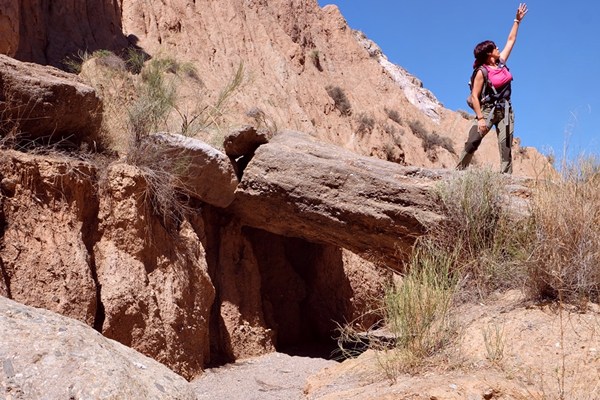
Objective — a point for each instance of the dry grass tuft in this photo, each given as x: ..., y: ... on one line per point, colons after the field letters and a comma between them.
x: 490, y: 244
x: 566, y: 252
x: 165, y: 196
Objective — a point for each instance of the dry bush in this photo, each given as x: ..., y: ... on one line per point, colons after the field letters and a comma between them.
x: 389, y: 129
x: 262, y: 121
x: 12, y: 113
x: 490, y: 244
x: 165, y: 196
x: 465, y: 114
x: 431, y: 140
x: 565, y: 263
x: 138, y: 105
x: 393, y: 115
x: 478, y: 249
x: 366, y: 123
x: 151, y: 100
x: 339, y: 99
x: 417, y: 310
x: 417, y: 325
x: 315, y: 57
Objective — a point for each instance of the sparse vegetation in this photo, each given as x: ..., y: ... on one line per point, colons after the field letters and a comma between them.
x: 366, y: 123
x: 261, y: 120
x: 431, y: 140
x: 105, y: 57
x: 465, y: 114
x: 165, y: 195
x: 417, y: 310
x: 495, y: 342
x: 315, y: 57
x: 156, y: 99
x: 480, y: 249
x: 340, y: 100
x: 477, y: 249
x: 566, y: 250
x: 393, y: 115
x: 389, y: 129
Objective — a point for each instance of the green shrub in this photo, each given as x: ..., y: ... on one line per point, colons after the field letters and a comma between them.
x: 156, y: 99
x: 135, y: 59
x: 418, y: 309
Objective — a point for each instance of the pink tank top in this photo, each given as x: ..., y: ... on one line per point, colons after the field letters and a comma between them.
x: 499, y: 76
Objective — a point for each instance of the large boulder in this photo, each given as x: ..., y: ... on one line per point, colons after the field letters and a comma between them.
x: 40, y: 102
x: 296, y: 186
x: 48, y: 356
x: 202, y: 171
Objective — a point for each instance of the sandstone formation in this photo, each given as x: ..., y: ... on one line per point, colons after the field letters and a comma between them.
x: 244, y: 141
x: 154, y: 287
x: 48, y: 356
x: 209, y: 289
x: 47, y: 103
x: 295, y: 186
x: 48, y: 33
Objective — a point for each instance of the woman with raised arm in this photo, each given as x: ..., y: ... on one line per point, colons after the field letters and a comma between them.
x: 490, y: 97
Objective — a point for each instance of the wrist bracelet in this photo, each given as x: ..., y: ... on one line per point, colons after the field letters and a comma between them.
x: 516, y: 20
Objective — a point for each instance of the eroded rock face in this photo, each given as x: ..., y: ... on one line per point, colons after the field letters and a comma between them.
x: 155, y: 291
x: 44, y: 102
x: 9, y: 27
x: 48, y: 32
x: 48, y: 210
x: 242, y: 329
x: 48, y: 356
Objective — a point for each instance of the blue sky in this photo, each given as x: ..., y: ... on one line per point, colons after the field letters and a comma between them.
x: 556, y: 87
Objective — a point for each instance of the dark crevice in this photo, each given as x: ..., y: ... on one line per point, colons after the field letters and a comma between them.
x: 90, y: 236
x: 213, y: 220
x: 3, y: 224
x: 306, y: 319
x: 5, y: 279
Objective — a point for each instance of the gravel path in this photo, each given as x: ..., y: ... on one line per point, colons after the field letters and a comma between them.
x: 274, y: 376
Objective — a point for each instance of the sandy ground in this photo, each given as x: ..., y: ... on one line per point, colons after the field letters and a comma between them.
x: 509, y: 349
x: 270, y: 377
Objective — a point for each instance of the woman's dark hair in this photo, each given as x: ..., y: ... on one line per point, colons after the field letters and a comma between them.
x: 481, y: 52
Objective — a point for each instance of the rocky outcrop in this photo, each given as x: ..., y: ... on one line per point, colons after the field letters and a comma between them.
x: 295, y: 186
x: 48, y: 32
x: 244, y: 141
x: 155, y: 289
x: 206, y: 290
x: 410, y: 84
x: 45, y: 103
x: 48, y: 356
x: 202, y: 171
